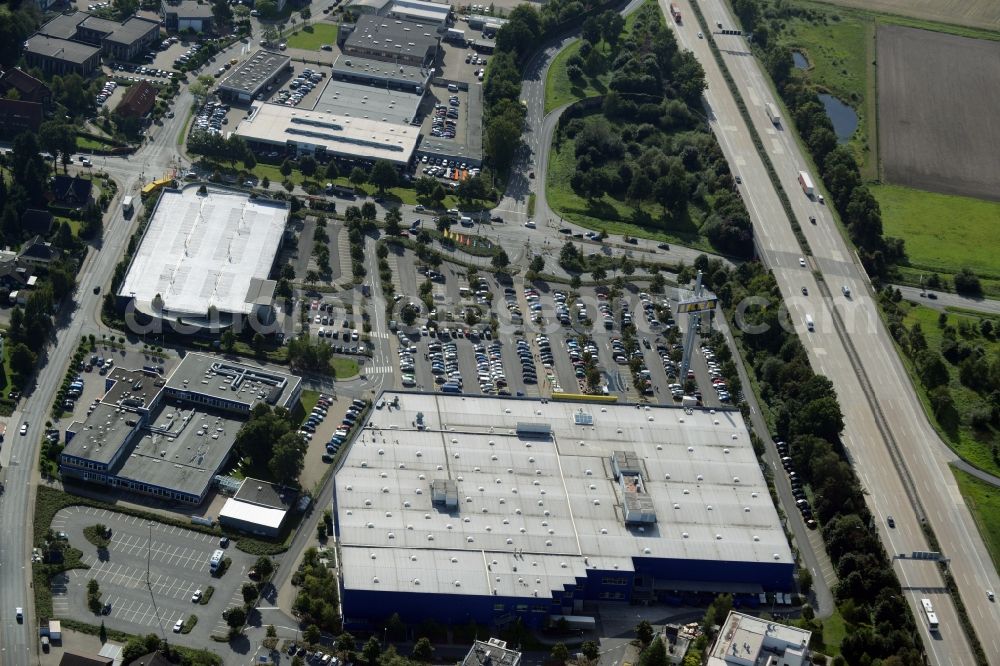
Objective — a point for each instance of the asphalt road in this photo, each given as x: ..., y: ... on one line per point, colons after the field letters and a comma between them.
x: 851, y: 347
x: 943, y: 299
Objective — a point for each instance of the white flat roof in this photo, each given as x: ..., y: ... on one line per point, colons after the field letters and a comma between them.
x: 252, y: 513
x: 554, y: 499
x: 343, y: 135
x: 206, y: 250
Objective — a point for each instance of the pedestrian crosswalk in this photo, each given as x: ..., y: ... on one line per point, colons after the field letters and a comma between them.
x: 378, y: 370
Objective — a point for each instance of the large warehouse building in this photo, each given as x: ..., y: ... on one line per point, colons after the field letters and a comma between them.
x: 462, y: 507
x: 205, y: 259
x: 351, y: 138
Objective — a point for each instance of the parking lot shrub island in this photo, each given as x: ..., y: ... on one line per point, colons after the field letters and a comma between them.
x: 804, y: 412
x: 317, y: 600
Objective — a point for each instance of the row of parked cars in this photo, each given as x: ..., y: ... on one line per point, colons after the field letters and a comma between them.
x: 528, y: 372
x: 797, y: 490
x: 444, y: 366
x: 489, y: 364
x: 341, y: 433
x: 715, y: 371
x: 212, y: 117
x: 299, y: 87
x: 106, y: 91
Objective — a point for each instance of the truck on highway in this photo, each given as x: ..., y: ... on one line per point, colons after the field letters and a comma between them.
x: 929, y: 614
x: 127, y: 206
x: 675, y: 12
x: 809, y: 323
x: 806, y: 182
x: 772, y: 113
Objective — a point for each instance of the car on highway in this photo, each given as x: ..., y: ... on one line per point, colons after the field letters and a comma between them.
x: 812, y: 218
x: 701, y: 36
x: 805, y: 291
x: 990, y: 596
x: 890, y: 521
x: 24, y: 428
x: 846, y: 290
x: 19, y: 614
x: 802, y: 262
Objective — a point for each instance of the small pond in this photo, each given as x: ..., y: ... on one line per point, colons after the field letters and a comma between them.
x: 800, y: 60
x: 843, y: 117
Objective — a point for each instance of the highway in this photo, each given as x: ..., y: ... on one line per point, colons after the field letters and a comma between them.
x: 942, y: 300
x: 892, y: 446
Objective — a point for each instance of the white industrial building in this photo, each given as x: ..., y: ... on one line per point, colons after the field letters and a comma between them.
x: 517, y: 507
x: 429, y: 13
x: 205, y: 258
x: 322, y: 134
x: 745, y: 640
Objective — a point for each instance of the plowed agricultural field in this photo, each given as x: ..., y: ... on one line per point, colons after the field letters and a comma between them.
x: 971, y: 13
x: 937, y: 111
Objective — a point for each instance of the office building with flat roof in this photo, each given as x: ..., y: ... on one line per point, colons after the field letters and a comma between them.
x: 170, y: 437
x: 61, y: 56
x: 465, y: 507
x: 325, y: 135
x: 386, y: 75
x: 745, y: 640
x: 345, y: 99
x: 391, y: 40
x: 420, y: 11
x: 246, y: 81
x: 123, y: 40
x: 206, y: 258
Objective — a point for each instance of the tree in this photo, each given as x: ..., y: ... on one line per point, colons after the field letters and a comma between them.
x: 345, y: 643
x: 644, y: 632
x: 358, y: 177
x: 126, y: 8
x: 22, y: 359
x: 228, y: 340
x: 967, y: 283
x: 423, y: 650
x: 221, y: 12
x: 103, y: 634
x: 59, y: 138
x: 267, y: 9
x: 235, y: 617
x: 537, y: 264
x: 307, y: 165
x: 500, y: 260
x: 443, y: 223
x: 655, y: 654
x: 288, y: 458
x: 392, y: 221
x: 249, y: 591
x: 589, y: 648
x: 312, y: 634
x: 286, y: 168
x: 559, y: 653
x: 372, y: 651
x: 368, y: 211
x: 201, y: 86
x: 331, y: 170
x: 383, y: 176
x: 599, y: 274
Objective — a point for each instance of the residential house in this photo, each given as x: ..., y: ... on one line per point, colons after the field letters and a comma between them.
x: 29, y: 89
x: 38, y: 253
x: 71, y: 191
x: 17, y: 116
x: 138, y: 101
x: 37, y: 222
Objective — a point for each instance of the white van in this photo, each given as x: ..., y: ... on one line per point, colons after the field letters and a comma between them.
x: 213, y: 564
x: 809, y: 323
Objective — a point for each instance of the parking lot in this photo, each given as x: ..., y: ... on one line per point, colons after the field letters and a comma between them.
x: 139, y: 600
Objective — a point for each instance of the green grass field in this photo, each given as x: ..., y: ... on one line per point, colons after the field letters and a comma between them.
x: 313, y: 36
x: 839, y: 54
x: 971, y: 446
x: 608, y: 213
x: 344, y: 367
x: 943, y: 233
x: 983, y: 501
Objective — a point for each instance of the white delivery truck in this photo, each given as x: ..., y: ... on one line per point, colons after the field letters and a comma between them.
x: 809, y: 323
x: 772, y: 113
x: 806, y: 182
